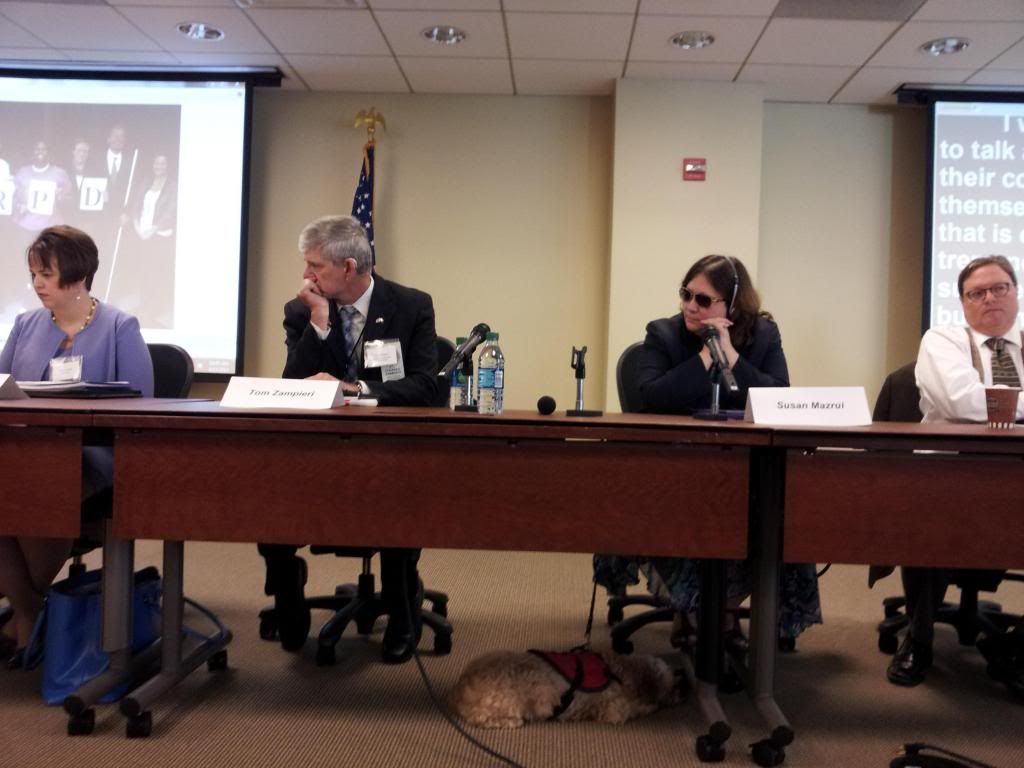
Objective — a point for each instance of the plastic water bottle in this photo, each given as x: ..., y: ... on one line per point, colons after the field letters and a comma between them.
x: 458, y: 382
x: 490, y: 377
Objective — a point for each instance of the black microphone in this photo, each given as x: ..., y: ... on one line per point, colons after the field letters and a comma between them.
x: 712, y: 340
x: 477, y: 335
x: 546, y: 405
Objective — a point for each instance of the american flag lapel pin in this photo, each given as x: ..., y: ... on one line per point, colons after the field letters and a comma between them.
x: 379, y: 321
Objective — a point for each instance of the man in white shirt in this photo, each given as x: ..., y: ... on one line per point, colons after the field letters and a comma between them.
x: 954, y: 366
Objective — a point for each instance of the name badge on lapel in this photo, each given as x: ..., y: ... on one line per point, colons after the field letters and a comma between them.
x: 66, y: 370
x: 385, y: 354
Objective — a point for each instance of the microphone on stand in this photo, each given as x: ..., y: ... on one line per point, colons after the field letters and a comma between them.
x: 477, y: 335
x: 712, y: 340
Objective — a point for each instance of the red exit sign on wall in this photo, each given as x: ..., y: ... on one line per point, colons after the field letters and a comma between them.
x: 694, y: 168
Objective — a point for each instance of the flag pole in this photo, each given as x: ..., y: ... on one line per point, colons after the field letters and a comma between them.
x: 362, y: 204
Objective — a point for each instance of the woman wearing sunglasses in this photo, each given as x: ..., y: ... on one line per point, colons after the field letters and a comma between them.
x: 673, y: 376
x: 716, y: 292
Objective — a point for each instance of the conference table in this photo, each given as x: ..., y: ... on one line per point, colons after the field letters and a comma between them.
x: 191, y: 470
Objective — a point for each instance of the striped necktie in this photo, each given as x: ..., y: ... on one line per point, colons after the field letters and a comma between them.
x: 348, y: 317
x: 1003, y: 370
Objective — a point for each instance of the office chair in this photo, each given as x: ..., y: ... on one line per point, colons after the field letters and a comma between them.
x: 172, y: 377
x: 899, y: 401
x: 361, y: 602
x: 631, y: 401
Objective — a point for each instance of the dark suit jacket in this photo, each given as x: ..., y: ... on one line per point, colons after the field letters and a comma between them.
x: 672, y: 378
x: 396, y: 312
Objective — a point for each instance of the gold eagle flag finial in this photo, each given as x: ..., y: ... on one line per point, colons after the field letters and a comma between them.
x: 370, y: 118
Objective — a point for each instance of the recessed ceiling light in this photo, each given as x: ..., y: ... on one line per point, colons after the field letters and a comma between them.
x: 444, y: 35
x: 197, y: 30
x: 692, y: 39
x: 943, y: 46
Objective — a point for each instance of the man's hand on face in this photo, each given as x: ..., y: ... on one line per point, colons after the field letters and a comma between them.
x: 310, y: 295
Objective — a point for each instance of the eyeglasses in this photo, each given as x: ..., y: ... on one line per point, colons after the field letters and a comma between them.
x: 998, y: 291
x: 703, y: 300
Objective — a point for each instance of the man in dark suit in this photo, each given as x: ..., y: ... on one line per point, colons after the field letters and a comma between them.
x: 378, y: 338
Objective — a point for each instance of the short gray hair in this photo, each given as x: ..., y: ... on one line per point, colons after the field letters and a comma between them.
x: 338, y: 238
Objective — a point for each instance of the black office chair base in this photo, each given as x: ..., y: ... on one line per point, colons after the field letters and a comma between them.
x: 970, y: 618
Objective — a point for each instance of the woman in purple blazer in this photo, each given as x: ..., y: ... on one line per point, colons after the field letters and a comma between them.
x: 71, y: 327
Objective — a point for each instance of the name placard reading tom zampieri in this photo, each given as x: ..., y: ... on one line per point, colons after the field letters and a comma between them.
x: 252, y: 392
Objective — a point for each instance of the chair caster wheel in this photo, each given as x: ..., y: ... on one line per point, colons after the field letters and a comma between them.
x: 624, y: 647
x: 787, y: 645
x: 442, y: 644
x: 325, y: 656
x: 83, y: 723
x: 139, y: 726
x: 888, y: 644
x: 767, y: 753
x: 615, y: 614
x: 709, y: 750
x: 218, y: 662
x: 268, y: 628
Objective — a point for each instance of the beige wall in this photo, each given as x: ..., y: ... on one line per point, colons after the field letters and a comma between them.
x: 502, y: 208
x: 661, y: 224
x: 841, y: 239
x: 497, y: 206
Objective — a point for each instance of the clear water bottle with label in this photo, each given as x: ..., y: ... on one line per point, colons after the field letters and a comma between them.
x: 490, y: 377
x: 458, y: 382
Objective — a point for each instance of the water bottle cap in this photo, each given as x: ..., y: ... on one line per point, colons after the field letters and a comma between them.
x: 492, y: 336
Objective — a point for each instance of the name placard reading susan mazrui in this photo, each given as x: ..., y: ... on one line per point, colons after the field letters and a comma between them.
x: 808, y: 406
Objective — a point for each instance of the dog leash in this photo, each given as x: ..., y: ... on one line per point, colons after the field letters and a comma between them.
x: 590, y: 622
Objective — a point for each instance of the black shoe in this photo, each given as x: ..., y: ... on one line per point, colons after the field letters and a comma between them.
x: 398, y: 646
x: 910, y: 663
x: 399, y: 639
x: 286, y: 580
x: 16, y: 660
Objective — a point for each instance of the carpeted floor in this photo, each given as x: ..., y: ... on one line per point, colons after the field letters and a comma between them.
x: 275, y: 709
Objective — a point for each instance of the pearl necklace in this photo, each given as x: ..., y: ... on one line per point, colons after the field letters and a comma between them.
x: 88, y: 318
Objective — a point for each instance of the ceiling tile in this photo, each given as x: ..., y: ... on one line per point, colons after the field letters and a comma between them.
x: 178, y: 3
x: 988, y: 40
x: 734, y: 38
x: 796, y: 83
x: 862, y: 10
x: 546, y: 77
x: 321, y: 31
x: 1012, y: 59
x: 123, y: 57
x: 31, y: 54
x: 480, y: 76
x: 572, y: 6
x: 975, y: 10
x: 709, y: 7
x: 359, y: 74
x: 875, y: 85
x: 14, y: 36
x: 992, y: 76
x: 811, y: 41
x: 569, y: 35
x: 681, y: 70
x: 78, y: 26
x: 161, y: 24
x: 485, y: 34
x: 436, y: 5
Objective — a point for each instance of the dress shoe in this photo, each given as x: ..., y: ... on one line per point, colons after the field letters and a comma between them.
x: 398, y: 647
x: 286, y: 579
x: 16, y: 660
x: 910, y: 662
x: 400, y: 640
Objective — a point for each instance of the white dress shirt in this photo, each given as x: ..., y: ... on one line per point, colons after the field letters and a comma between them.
x: 949, y: 385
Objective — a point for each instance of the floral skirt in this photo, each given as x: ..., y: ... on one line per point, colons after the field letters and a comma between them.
x: 678, y: 580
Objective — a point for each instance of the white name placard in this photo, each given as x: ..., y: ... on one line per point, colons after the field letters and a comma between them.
x: 252, y: 392
x: 808, y: 406
x: 9, y: 389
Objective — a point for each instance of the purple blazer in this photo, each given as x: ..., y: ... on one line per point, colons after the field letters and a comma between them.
x: 111, y: 347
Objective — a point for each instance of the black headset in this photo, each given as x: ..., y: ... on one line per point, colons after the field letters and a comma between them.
x: 735, y: 284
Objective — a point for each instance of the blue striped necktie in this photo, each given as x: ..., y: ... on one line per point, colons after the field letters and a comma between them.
x: 348, y: 316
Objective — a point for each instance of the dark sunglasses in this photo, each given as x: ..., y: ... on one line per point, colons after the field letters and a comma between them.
x: 703, y: 300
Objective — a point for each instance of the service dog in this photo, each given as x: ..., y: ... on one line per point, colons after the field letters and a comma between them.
x: 506, y: 689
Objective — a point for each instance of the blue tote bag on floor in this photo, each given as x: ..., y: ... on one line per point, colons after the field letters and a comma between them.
x: 69, y: 634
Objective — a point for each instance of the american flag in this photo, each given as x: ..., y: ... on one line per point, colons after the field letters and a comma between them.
x: 362, y: 203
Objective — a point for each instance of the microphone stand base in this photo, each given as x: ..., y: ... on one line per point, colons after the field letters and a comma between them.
x: 707, y: 415
x: 575, y: 412
x: 466, y: 408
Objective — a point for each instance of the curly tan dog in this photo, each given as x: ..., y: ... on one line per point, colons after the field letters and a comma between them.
x: 505, y: 689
